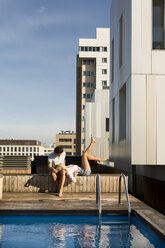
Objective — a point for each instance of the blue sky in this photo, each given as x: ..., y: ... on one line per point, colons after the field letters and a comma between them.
x: 38, y: 48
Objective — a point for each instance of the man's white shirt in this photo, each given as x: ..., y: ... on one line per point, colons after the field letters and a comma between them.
x: 55, y: 160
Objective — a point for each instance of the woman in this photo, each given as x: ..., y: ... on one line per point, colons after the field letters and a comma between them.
x: 85, y: 170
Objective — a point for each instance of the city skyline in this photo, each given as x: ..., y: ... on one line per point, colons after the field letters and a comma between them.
x: 38, y: 46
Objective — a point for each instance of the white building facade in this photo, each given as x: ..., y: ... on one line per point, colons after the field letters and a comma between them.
x: 97, y: 123
x: 137, y: 90
x: 92, y: 73
x: 30, y: 148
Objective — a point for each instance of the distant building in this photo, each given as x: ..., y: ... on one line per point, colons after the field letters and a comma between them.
x: 67, y: 139
x: 13, y: 147
x: 48, y: 149
x: 92, y: 73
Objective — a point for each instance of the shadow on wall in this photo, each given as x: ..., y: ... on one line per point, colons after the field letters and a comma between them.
x: 43, y: 183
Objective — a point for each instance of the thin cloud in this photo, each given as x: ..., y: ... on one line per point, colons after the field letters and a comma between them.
x: 41, y: 10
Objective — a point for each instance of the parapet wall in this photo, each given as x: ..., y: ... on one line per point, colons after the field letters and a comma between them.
x: 44, y: 183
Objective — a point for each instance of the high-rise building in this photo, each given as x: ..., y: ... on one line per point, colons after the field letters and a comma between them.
x: 67, y: 139
x: 92, y: 73
x: 137, y: 95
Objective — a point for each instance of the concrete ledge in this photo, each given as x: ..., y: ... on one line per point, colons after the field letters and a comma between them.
x: 44, y: 183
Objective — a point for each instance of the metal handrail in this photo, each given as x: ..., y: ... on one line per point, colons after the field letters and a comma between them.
x: 126, y: 191
x: 98, y: 193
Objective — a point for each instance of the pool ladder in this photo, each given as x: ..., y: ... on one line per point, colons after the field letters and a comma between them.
x: 98, y: 194
x: 126, y: 192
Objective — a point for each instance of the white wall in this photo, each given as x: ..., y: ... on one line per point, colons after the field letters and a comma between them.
x: 120, y: 150
x: 96, y: 113
x: 143, y: 71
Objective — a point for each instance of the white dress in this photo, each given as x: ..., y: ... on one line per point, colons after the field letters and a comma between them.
x: 71, y: 170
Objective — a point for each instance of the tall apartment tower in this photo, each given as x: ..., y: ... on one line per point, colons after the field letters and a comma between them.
x: 92, y: 74
x: 137, y: 96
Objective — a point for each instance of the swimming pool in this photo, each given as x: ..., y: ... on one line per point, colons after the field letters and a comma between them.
x: 40, y: 231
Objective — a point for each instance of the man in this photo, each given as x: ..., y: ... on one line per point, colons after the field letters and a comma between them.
x: 56, y: 163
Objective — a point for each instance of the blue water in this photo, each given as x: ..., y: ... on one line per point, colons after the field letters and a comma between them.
x: 74, y: 231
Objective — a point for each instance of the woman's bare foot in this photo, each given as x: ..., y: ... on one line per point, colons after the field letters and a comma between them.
x: 102, y: 160
x: 92, y: 139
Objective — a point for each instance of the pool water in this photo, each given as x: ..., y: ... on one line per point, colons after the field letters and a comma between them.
x: 74, y: 231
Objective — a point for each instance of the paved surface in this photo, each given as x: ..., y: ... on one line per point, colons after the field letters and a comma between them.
x: 77, y: 203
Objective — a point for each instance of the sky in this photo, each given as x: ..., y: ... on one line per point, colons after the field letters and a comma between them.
x: 38, y: 49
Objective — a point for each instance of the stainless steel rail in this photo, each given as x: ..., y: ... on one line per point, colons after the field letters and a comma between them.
x: 126, y: 192
x: 98, y: 193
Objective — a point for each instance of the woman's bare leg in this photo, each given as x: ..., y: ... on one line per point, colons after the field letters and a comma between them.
x: 86, y: 156
x: 89, y: 148
x: 85, y: 162
x: 96, y: 159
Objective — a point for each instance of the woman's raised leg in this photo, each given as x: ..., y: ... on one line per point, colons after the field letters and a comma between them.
x: 85, y: 162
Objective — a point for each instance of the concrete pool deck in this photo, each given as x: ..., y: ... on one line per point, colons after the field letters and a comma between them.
x: 80, y: 203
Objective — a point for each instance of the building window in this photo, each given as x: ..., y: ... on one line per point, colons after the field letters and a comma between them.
x: 23, y: 149
x: 89, y: 49
x: 34, y: 149
x: 104, y: 60
x: 83, y: 107
x: 112, y: 57
x: 104, y: 71
x: 87, y: 96
x: 68, y: 153
x: 121, y: 41
x: 7, y: 149
x: 107, y: 125
x: 81, y: 49
x: 26, y: 149
x: 0, y: 149
x: 19, y: 149
x: 88, y: 73
x: 65, y: 140
x: 122, y: 113
x: 67, y: 147
x: 15, y: 149
x: 158, y: 22
x: 4, y: 149
x: 113, y: 120
x: 88, y: 62
x: 11, y: 149
x: 104, y: 49
x: 104, y: 83
x: 88, y: 84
